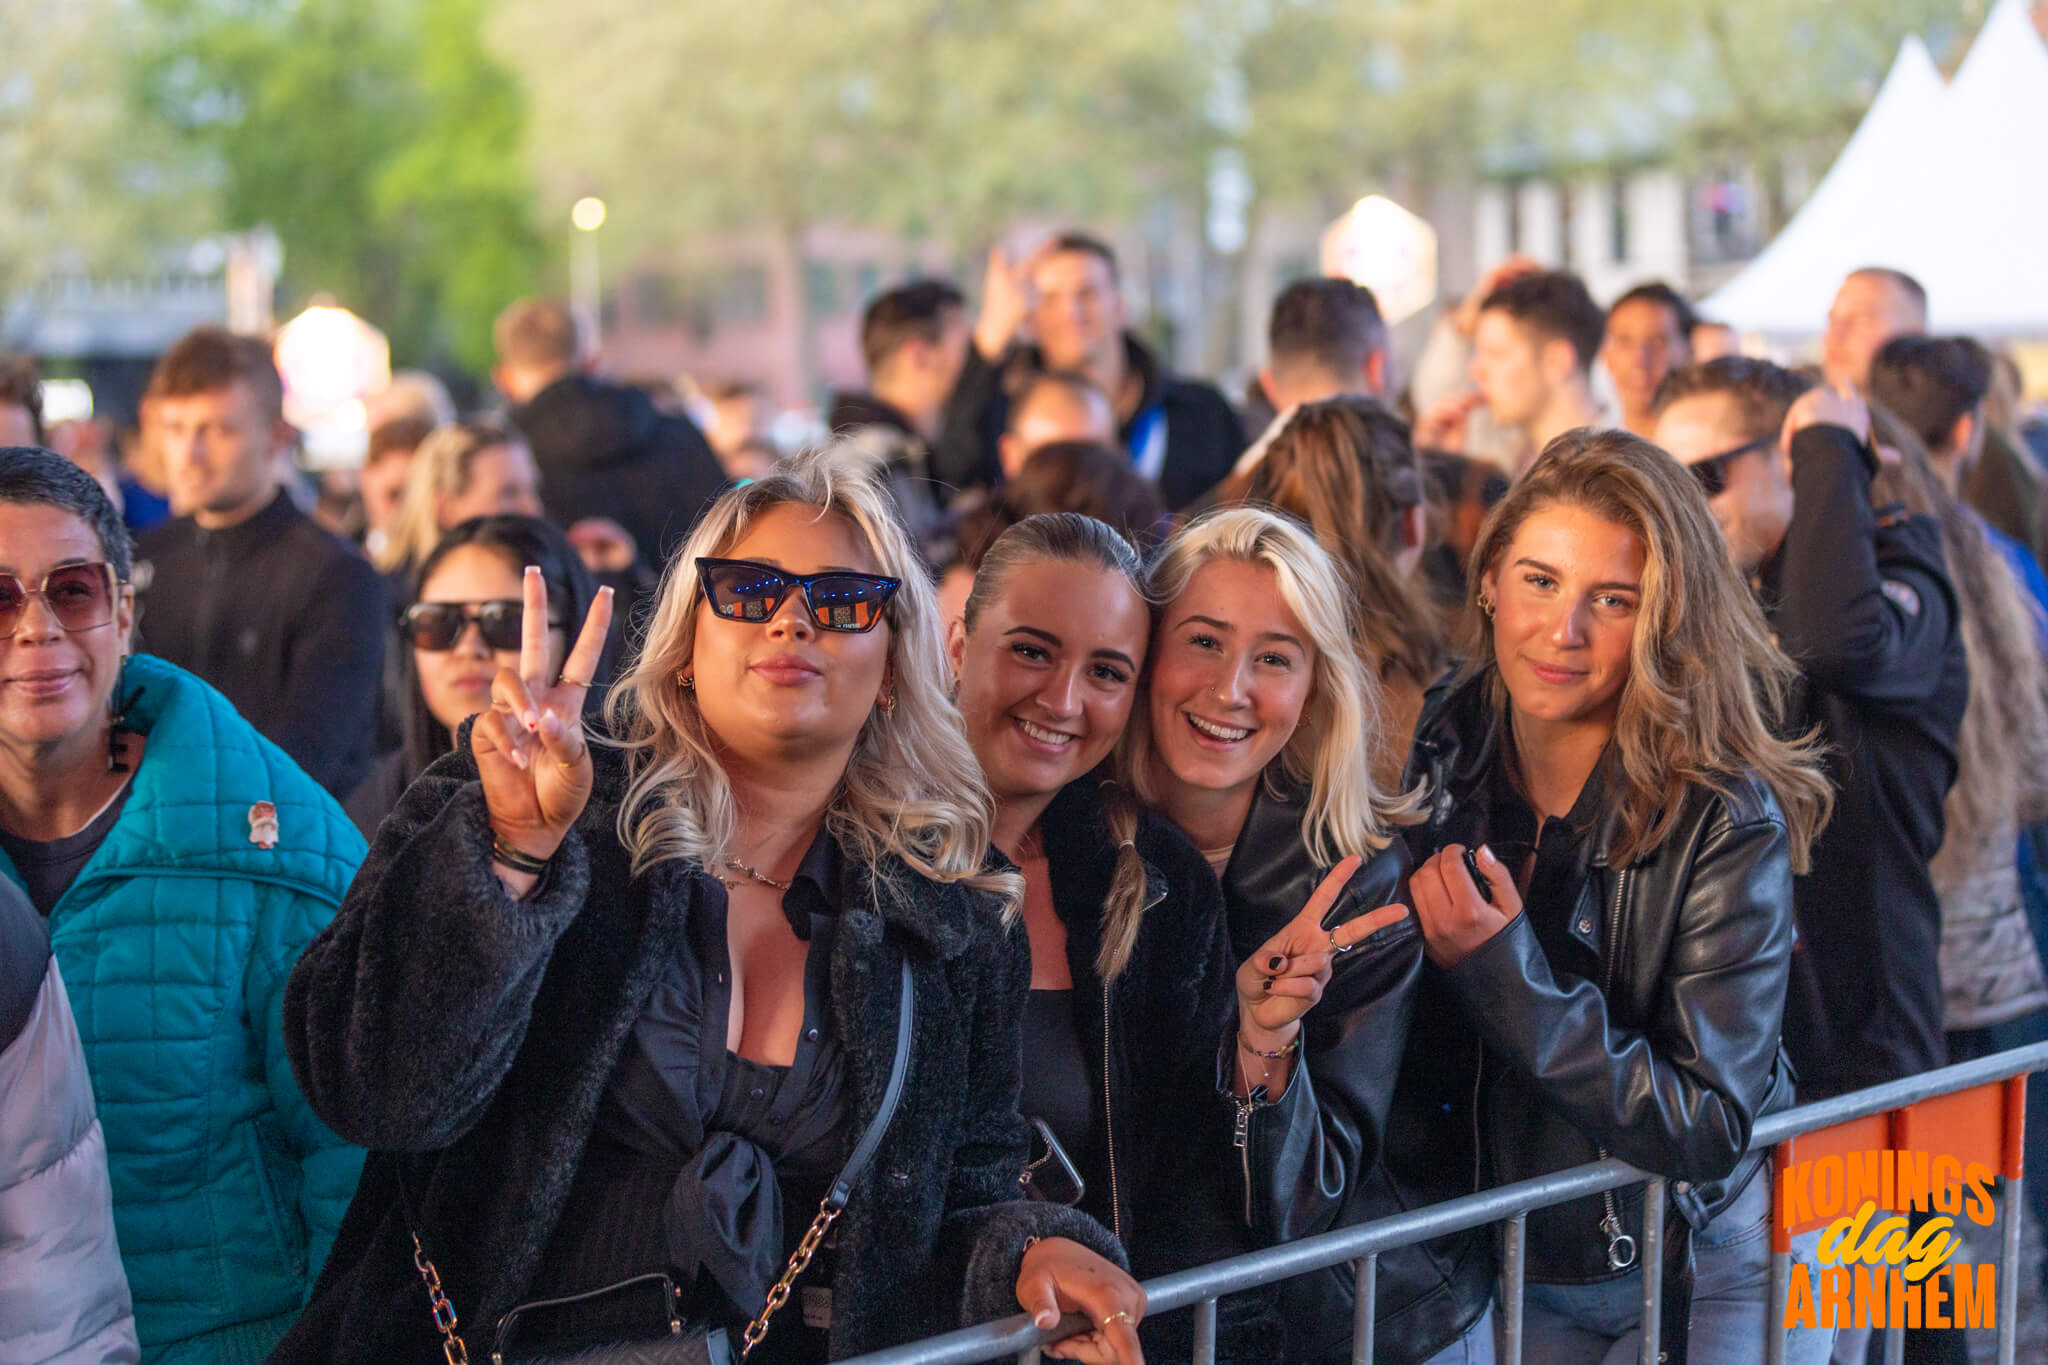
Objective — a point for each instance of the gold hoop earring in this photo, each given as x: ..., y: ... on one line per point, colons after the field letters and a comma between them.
x: 888, y: 702
x: 685, y: 681
x: 1486, y: 603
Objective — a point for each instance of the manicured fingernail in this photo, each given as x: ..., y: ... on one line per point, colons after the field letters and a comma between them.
x: 1046, y: 1320
x: 1276, y: 962
x: 519, y: 759
x: 551, y: 724
x: 532, y: 721
x: 606, y: 592
x: 1268, y: 986
x: 1487, y: 854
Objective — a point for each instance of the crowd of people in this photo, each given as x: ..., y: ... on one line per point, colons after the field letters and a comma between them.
x: 605, y: 884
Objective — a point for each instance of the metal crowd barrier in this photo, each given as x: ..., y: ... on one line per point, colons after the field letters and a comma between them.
x: 1510, y: 1206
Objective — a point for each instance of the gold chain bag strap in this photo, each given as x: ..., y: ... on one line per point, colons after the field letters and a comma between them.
x: 836, y: 1199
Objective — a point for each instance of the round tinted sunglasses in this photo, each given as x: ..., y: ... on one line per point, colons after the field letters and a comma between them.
x: 435, y: 626
x: 80, y: 596
x: 748, y: 590
x: 1712, y: 472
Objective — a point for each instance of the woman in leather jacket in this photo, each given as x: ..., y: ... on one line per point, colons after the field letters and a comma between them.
x: 1256, y: 739
x: 1608, y: 756
x: 1132, y: 973
x: 609, y: 1006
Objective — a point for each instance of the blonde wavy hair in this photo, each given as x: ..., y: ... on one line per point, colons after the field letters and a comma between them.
x: 1705, y: 680
x: 440, y: 468
x: 1331, y: 750
x: 912, y: 788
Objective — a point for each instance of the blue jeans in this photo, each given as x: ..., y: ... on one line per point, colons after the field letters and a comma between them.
x: 1474, y: 1348
x: 1569, y: 1324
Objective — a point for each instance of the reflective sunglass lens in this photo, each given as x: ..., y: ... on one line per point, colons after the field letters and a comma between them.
x: 743, y: 592
x: 433, y: 626
x: 500, y: 623
x: 848, y: 603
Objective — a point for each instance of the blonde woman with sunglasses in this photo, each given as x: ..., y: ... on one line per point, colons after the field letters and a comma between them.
x: 648, y: 1004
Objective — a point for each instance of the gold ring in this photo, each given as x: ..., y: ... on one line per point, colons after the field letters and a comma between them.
x: 1119, y: 1313
x: 573, y: 682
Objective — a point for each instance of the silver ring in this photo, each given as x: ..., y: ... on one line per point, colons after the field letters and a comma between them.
x: 1334, y: 945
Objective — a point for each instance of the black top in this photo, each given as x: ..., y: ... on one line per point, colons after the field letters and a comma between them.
x: 606, y: 451
x: 49, y: 867
x: 1554, y: 857
x: 286, y: 620
x: 1863, y: 605
x: 1057, y: 1085
x: 733, y: 1153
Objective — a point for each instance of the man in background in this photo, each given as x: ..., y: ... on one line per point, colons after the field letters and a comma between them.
x: 604, y: 450
x: 245, y: 590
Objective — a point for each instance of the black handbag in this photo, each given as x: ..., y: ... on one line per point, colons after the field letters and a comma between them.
x: 685, y: 1344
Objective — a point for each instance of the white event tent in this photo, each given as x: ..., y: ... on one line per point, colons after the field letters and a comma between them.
x: 1946, y: 182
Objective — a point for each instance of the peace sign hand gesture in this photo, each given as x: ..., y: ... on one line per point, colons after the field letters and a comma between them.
x: 529, y: 747
x: 1285, y: 978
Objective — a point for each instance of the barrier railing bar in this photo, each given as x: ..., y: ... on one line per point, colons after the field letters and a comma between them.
x: 1652, y: 1265
x: 2009, y: 1270
x: 1514, y: 1249
x: 1775, y: 1335
x: 1897, y: 1094
x: 1365, y: 1297
x: 1205, y: 1332
x: 1507, y: 1204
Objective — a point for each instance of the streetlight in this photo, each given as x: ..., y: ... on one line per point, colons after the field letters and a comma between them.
x: 586, y: 216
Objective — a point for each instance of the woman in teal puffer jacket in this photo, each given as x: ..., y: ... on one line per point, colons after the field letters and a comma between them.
x: 182, y: 862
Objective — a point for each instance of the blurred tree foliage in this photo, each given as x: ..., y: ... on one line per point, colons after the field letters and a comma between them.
x: 933, y: 115
x: 377, y: 137
x: 87, y: 186
x: 403, y: 150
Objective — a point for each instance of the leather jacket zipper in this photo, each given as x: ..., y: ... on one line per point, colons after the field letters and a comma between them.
x: 1621, y: 1248
x: 1240, y: 1138
x: 1116, y: 1203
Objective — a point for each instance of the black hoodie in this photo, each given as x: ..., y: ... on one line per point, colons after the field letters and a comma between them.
x: 606, y: 451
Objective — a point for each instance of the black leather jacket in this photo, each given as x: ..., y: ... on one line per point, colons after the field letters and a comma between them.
x: 1669, y: 1058
x: 1344, y: 1142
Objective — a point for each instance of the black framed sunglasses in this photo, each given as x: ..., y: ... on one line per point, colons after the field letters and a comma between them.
x: 80, y: 596
x: 1712, y: 472
x: 435, y: 626
x: 748, y: 590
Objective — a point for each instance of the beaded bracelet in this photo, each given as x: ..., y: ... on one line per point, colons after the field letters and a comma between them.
x: 516, y: 860
x: 1292, y: 1046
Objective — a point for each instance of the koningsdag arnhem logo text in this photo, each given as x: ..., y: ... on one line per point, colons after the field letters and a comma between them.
x: 1891, y: 1232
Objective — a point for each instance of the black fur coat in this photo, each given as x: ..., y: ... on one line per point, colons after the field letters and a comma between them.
x: 465, y: 1039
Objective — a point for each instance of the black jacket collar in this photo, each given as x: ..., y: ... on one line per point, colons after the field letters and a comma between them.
x: 1459, y: 749
x: 262, y: 529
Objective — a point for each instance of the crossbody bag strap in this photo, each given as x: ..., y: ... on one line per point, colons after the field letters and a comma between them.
x: 842, y: 1189
x: 456, y: 1351
x: 453, y: 1348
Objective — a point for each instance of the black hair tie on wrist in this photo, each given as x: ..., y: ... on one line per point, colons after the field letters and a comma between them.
x: 516, y: 860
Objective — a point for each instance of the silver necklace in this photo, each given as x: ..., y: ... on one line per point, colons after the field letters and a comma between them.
x: 736, y: 865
